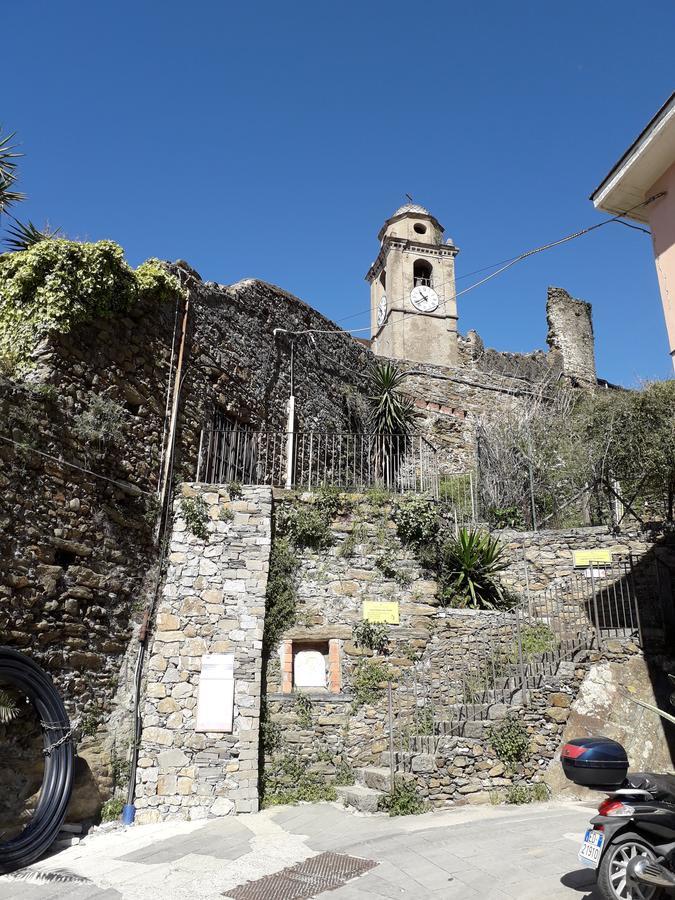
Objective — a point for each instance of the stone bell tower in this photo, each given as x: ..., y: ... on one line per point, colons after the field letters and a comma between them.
x: 412, y: 290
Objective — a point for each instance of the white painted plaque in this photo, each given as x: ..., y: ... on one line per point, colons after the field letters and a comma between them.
x: 215, y: 699
x: 309, y: 669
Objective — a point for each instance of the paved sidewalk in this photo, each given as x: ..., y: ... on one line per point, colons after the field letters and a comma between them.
x: 495, y: 853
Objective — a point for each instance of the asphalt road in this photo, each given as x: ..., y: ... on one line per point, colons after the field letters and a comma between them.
x: 469, y: 852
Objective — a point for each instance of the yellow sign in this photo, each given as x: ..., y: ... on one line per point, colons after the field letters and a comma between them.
x: 380, y: 612
x: 583, y: 558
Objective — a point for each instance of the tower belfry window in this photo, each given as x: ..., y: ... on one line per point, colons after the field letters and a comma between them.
x: 422, y: 273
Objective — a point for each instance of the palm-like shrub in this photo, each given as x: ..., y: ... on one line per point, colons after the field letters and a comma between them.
x: 391, y: 412
x: 469, y: 566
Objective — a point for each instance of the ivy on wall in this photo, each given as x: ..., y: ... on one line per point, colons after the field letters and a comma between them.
x: 56, y: 284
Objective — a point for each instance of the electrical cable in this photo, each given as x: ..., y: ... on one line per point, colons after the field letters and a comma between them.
x: 502, y: 267
x: 42, y: 829
x: 63, y: 462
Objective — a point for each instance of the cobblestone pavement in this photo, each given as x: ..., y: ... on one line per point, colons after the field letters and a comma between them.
x: 492, y: 853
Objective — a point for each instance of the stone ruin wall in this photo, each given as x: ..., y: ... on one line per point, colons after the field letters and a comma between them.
x: 77, y: 553
x: 570, y: 333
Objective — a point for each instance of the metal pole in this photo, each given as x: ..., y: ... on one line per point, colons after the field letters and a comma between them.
x: 199, y: 455
x: 595, y: 607
x: 392, y: 765
x: 521, y: 661
x: 290, y: 441
x: 532, y: 504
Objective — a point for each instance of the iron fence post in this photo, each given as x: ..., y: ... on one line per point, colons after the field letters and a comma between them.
x: 521, y: 660
x: 392, y: 764
x: 199, y: 455
x: 632, y: 598
x: 596, y: 612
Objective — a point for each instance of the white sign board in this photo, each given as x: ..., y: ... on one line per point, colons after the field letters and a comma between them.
x: 309, y: 669
x: 215, y: 700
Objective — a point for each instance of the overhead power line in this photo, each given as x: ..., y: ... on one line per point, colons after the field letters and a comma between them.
x: 506, y: 264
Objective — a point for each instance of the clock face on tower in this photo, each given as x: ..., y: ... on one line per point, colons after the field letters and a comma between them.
x: 382, y: 310
x: 424, y: 298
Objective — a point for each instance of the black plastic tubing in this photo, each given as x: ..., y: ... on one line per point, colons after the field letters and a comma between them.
x: 41, y: 832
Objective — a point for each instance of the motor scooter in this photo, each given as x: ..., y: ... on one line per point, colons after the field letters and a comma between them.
x: 631, y: 841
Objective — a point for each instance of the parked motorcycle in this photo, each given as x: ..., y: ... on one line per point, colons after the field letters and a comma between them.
x: 631, y: 842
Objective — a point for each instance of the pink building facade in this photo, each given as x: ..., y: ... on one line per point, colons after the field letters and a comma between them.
x: 641, y: 186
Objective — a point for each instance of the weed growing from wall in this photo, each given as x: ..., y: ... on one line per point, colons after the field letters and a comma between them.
x: 510, y: 741
x: 235, y: 490
x: 416, y: 520
x: 286, y: 780
x: 526, y: 793
x: 403, y: 800
x: 280, y: 599
x: 112, y: 809
x: 369, y: 681
x: 195, y: 512
x: 102, y: 422
x: 303, y: 711
x: 371, y: 635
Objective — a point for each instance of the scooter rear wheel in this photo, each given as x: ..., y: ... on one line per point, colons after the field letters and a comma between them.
x: 613, y: 879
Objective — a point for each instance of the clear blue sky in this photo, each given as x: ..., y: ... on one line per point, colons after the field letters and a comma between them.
x: 273, y: 139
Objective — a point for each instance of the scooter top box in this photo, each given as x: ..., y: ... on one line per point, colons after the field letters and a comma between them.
x: 594, y: 762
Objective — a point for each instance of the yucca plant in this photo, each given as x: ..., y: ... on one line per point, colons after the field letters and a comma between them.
x: 469, y: 565
x: 22, y: 236
x: 391, y: 412
x: 8, y: 708
x: 8, y: 157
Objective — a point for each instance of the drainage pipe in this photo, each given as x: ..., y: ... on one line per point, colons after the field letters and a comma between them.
x: 41, y: 831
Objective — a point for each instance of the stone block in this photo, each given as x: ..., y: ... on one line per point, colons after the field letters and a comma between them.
x: 423, y: 762
x: 171, y: 759
x: 161, y: 736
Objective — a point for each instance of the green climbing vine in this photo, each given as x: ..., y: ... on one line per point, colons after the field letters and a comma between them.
x: 56, y: 284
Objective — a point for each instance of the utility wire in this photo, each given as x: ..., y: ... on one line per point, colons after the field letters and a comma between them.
x: 507, y: 264
x: 63, y: 462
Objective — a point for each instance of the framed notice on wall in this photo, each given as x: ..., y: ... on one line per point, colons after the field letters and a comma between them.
x: 386, y: 612
x: 583, y: 558
x: 215, y: 699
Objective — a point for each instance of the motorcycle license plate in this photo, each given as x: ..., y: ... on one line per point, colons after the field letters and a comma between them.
x: 591, y: 848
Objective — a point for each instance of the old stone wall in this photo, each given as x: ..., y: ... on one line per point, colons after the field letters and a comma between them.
x: 570, y: 333
x: 77, y: 557
x: 213, y: 602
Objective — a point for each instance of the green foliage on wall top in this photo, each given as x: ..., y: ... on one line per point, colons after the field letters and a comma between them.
x: 56, y: 284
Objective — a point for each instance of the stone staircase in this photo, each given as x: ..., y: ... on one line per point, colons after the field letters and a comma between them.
x: 372, y: 783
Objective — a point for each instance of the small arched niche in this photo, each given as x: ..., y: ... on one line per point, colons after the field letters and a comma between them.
x: 422, y: 273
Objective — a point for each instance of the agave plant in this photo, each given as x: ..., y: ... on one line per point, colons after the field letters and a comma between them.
x: 8, y: 708
x: 469, y: 565
x: 391, y: 412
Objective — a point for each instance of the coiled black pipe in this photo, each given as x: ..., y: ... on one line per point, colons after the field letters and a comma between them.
x: 47, y: 819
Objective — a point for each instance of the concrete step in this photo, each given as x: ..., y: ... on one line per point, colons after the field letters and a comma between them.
x: 376, y: 777
x: 359, y: 796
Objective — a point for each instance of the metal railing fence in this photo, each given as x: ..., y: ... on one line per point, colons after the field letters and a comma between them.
x: 472, y: 680
x: 310, y: 459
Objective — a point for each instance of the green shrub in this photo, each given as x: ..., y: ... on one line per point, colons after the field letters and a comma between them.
x: 526, y: 793
x: 112, y: 809
x: 305, y: 525
x: 195, y: 512
x: 102, y: 422
x: 469, y: 564
x: 235, y: 490
x: 344, y: 775
x: 303, y: 711
x: 369, y: 681
x: 537, y: 639
x: 286, y: 780
x: 403, y: 800
x: 280, y: 597
x: 330, y: 500
x: 378, y: 495
x: 56, y: 284
x: 371, y: 635
x: 416, y: 519
x: 510, y: 741
x: 506, y: 517
x: 225, y: 514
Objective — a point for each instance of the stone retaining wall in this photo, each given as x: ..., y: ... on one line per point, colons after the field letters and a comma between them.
x: 213, y: 602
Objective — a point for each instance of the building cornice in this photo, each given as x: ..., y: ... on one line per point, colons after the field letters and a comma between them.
x: 406, y: 245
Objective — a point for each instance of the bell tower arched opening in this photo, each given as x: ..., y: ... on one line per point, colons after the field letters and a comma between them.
x: 423, y: 273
